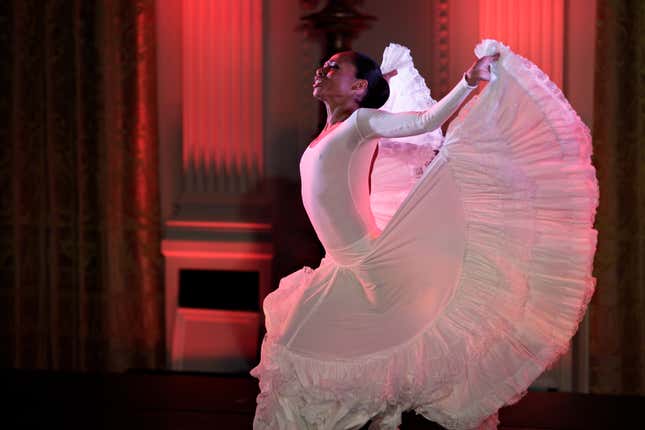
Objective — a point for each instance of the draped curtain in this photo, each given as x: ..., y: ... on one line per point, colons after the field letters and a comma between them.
x: 617, y: 348
x: 81, y: 284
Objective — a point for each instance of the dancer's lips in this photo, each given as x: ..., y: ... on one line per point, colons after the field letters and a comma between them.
x: 317, y: 83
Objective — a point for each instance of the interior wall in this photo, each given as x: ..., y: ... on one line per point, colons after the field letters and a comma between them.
x: 463, y: 33
x: 290, y: 113
x: 409, y: 24
x: 580, y: 53
x: 579, y: 60
x: 169, y: 96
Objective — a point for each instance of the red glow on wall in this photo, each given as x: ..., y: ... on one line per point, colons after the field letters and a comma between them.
x: 532, y: 28
x: 222, y: 85
x: 215, y: 340
x: 206, y: 337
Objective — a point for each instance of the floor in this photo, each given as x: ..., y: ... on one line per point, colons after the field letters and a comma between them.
x: 168, y: 400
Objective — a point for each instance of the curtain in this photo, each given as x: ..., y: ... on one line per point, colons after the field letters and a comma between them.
x: 617, y: 344
x: 81, y: 284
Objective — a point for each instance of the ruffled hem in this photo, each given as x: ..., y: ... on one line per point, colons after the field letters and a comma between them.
x: 401, y: 161
x: 526, y: 280
x: 524, y: 287
x: 408, y: 92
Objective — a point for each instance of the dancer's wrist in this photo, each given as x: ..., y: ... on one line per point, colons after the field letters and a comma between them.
x: 470, y: 82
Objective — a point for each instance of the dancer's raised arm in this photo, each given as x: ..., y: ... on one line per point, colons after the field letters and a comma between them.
x: 374, y: 123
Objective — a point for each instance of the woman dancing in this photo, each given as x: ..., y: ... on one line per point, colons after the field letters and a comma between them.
x: 474, y: 285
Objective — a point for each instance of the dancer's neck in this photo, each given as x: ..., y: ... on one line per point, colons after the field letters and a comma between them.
x: 339, y: 112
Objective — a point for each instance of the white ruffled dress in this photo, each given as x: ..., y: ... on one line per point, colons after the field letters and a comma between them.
x: 467, y: 279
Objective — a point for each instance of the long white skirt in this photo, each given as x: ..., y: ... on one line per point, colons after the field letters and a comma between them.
x: 475, y: 286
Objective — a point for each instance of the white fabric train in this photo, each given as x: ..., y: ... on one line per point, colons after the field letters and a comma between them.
x: 401, y: 161
x: 477, y: 281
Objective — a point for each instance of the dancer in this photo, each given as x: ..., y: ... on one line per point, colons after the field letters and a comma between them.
x: 473, y: 283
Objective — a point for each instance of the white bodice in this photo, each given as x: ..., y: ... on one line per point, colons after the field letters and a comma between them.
x: 335, y: 171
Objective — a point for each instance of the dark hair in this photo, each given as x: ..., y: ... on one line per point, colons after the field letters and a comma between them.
x: 378, y: 90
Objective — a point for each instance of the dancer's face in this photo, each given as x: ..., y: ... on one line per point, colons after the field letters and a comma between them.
x: 336, y: 79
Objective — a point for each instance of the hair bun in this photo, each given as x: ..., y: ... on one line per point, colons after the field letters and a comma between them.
x: 378, y: 89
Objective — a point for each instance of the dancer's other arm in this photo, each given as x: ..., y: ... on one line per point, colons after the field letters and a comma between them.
x: 374, y: 123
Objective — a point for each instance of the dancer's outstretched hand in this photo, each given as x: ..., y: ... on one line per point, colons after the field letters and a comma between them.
x: 480, y: 70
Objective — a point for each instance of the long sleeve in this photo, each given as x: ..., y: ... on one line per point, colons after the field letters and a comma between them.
x: 374, y: 123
